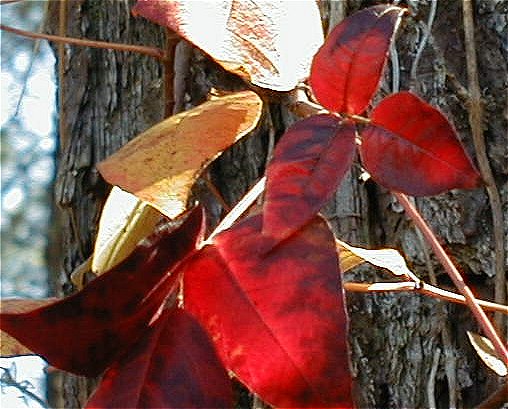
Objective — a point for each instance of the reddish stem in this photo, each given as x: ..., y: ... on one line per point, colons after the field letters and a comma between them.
x: 421, y: 288
x: 150, y: 51
x: 2, y: 2
x: 454, y: 274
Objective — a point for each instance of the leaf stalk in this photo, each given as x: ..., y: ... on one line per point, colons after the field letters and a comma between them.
x: 422, y: 288
x: 454, y: 274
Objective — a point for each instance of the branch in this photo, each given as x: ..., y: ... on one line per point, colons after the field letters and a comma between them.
x: 422, y: 288
x: 496, y: 400
x: 300, y: 105
x: 169, y: 72
x: 454, y: 274
x: 2, y: 2
x: 8, y: 380
x: 246, y: 202
x: 62, y: 30
x: 150, y: 51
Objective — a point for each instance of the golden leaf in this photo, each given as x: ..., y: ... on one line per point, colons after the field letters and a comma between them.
x: 161, y: 165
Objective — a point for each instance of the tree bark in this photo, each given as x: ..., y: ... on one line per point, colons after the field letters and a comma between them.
x: 407, y: 350
x: 412, y: 351
x: 108, y: 98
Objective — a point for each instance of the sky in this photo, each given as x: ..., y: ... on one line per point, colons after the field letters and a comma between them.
x: 27, y: 168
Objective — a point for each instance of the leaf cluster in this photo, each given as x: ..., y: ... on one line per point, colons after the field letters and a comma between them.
x: 169, y: 319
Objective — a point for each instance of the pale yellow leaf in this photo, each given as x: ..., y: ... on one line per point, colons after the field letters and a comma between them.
x: 161, y: 165
x: 389, y: 259
x: 485, y: 350
x: 125, y: 220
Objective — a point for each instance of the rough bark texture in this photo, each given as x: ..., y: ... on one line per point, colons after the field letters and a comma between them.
x: 109, y: 97
x: 407, y: 351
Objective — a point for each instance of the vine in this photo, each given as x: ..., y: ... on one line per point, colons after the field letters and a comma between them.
x: 262, y: 296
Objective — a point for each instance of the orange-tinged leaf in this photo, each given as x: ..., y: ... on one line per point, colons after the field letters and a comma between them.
x: 390, y: 259
x: 161, y: 165
x: 262, y: 41
x: 347, y: 259
x: 10, y: 346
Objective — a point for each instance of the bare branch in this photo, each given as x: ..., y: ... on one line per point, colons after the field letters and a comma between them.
x: 150, y: 51
x: 454, y: 274
x: 475, y: 109
x: 422, y: 288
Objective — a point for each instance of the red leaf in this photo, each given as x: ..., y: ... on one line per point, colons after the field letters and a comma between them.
x: 174, y: 365
x: 86, y: 332
x: 277, y: 317
x: 308, y: 164
x: 411, y: 147
x: 347, y: 69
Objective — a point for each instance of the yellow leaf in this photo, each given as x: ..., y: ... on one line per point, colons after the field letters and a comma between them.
x: 125, y: 220
x: 390, y: 259
x: 10, y: 346
x: 270, y: 43
x: 347, y: 259
x: 161, y: 164
x: 485, y: 350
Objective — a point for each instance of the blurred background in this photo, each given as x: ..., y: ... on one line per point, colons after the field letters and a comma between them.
x: 27, y: 152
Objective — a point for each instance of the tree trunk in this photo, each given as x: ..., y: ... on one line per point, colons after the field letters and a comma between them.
x: 108, y: 98
x: 407, y: 350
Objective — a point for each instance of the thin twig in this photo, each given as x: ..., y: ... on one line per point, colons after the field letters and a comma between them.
x: 150, y: 51
x: 431, y: 383
x: 496, y: 400
x: 33, y: 56
x: 394, y: 58
x: 216, y: 193
x: 239, y: 208
x: 475, y: 109
x: 427, y: 29
x: 421, y: 288
x: 8, y: 380
x: 169, y: 73
x: 454, y: 274
x: 62, y: 31
x: 450, y: 361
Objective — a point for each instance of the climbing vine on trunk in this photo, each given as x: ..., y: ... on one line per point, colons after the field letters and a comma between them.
x: 172, y: 314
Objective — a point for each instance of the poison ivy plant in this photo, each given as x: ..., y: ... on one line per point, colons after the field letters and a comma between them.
x: 263, y: 299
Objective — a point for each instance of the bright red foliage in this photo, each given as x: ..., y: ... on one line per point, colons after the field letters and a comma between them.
x: 277, y: 317
x: 267, y: 292
x: 89, y: 330
x: 346, y: 71
x: 308, y: 163
x: 411, y: 147
x: 174, y: 365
